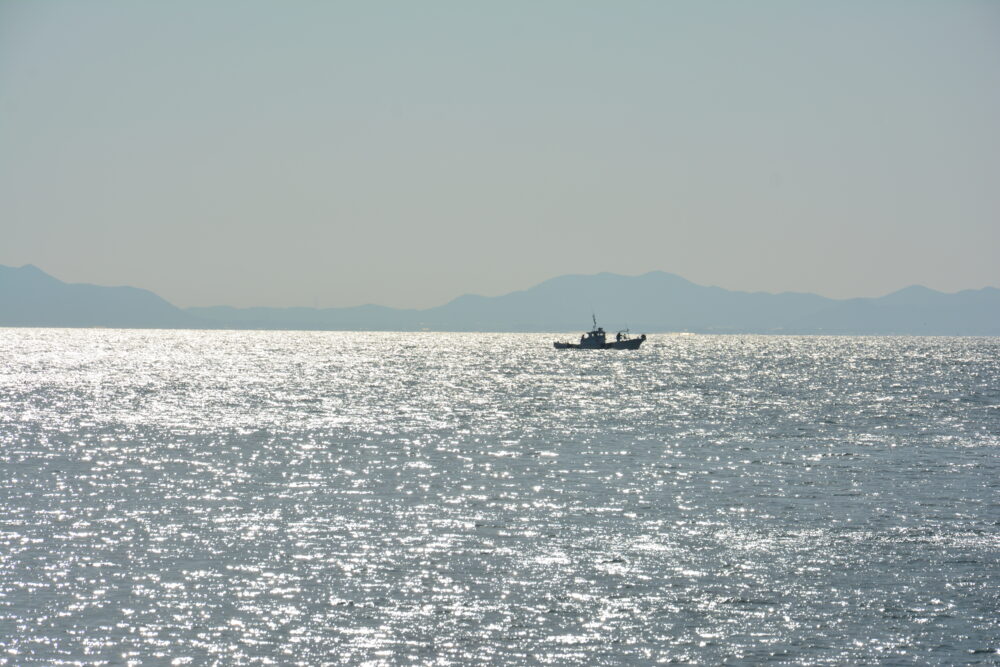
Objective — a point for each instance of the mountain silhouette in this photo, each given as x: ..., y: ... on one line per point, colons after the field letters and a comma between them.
x: 650, y: 303
x: 29, y: 297
x: 655, y: 301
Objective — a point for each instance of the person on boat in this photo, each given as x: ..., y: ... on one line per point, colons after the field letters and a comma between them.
x: 618, y: 336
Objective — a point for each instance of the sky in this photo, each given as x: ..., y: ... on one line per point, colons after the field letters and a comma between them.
x: 327, y: 154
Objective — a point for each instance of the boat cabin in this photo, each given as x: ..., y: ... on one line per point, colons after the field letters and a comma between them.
x: 593, y: 339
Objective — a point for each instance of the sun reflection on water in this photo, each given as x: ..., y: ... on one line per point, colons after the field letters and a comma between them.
x: 306, y: 498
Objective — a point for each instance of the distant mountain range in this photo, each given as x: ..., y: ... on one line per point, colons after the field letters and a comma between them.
x: 29, y: 297
x: 650, y: 303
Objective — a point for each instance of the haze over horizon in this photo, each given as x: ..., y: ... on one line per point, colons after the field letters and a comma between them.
x: 256, y: 154
x: 528, y: 288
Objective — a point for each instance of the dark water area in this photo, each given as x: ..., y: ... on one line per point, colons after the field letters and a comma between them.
x: 188, y: 497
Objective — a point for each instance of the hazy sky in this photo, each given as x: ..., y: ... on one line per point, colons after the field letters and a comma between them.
x: 403, y: 153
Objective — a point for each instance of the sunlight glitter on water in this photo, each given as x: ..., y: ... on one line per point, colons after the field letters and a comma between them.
x: 242, y: 497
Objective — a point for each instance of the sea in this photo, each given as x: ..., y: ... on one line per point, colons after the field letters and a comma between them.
x: 364, y: 498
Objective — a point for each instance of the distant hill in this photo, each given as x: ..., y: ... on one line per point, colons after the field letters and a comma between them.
x: 653, y: 302
x: 913, y: 310
x: 29, y: 297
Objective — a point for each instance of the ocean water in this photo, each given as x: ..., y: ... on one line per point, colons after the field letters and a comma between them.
x: 189, y: 497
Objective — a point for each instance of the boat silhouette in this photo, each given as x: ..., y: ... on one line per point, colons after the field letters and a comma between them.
x: 597, y: 339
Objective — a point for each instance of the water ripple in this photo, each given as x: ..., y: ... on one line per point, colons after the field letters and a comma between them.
x: 315, y: 498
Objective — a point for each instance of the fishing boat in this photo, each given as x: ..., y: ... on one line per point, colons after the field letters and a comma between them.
x: 597, y: 339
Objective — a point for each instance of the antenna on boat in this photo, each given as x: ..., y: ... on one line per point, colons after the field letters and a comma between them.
x: 594, y: 318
